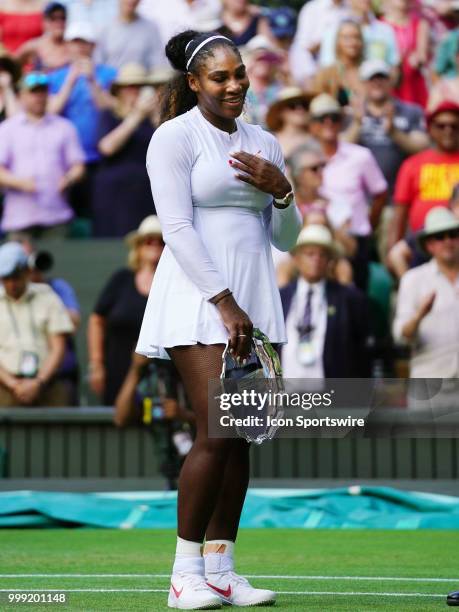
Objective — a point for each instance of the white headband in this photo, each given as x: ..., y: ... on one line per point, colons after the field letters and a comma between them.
x: 201, y: 45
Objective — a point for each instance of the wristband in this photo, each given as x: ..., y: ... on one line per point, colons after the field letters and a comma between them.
x: 222, y: 296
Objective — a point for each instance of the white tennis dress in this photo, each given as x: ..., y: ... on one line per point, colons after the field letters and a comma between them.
x: 217, y: 231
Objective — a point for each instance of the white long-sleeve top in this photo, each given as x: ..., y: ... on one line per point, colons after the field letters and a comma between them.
x: 188, y: 165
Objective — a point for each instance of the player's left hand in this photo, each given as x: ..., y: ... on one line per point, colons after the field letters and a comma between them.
x: 260, y: 173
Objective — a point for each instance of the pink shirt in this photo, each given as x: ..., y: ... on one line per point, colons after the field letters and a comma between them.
x: 412, y: 86
x: 352, y: 178
x: 43, y: 151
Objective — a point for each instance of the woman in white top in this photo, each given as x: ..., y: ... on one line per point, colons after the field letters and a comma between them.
x: 221, y: 196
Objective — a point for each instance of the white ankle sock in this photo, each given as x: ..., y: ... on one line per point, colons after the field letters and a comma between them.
x: 188, y: 557
x: 218, y: 556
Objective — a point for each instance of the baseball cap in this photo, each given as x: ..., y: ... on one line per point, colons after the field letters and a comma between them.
x: 82, y: 30
x: 33, y: 80
x: 54, y: 6
x: 282, y: 21
x: 371, y: 68
x: 12, y: 258
x: 443, y: 107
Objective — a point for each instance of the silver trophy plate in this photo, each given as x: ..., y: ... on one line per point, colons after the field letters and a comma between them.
x: 262, y: 374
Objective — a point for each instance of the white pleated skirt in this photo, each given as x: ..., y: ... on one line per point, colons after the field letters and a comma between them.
x: 176, y: 313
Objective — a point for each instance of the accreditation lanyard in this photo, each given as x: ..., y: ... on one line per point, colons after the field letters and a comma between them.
x: 15, y: 326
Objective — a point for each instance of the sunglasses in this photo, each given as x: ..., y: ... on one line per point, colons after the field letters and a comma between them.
x: 379, y: 75
x: 153, y: 241
x: 294, y: 105
x: 316, y: 168
x: 59, y: 17
x: 445, y: 125
x: 333, y: 117
x: 448, y: 234
x: 270, y: 58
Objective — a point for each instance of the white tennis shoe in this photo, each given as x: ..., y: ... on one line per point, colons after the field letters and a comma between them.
x: 190, y: 592
x: 237, y: 591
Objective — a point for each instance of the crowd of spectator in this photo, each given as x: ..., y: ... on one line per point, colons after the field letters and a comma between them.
x: 364, y: 99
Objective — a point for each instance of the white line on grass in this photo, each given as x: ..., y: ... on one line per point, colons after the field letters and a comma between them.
x: 85, y: 575
x: 359, y: 593
x: 348, y: 593
x: 84, y: 590
x: 270, y: 576
x: 368, y: 578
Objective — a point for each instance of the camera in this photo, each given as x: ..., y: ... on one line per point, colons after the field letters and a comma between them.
x: 41, y: 260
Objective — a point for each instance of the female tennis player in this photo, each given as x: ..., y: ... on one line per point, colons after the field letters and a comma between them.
x: 221, y: 196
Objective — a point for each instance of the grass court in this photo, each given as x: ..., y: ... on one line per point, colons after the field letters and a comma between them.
x: 320, y: 570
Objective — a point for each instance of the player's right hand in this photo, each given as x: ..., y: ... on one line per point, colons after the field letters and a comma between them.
x: 239, y: 326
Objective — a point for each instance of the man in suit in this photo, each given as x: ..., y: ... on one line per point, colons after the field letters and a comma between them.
x: 327, y: 323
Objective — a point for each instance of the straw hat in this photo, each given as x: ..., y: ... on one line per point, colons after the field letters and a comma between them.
x: 162, y: 75
x: 131, y: 74
x: 149, y: 227
x: 439, y: 219
x: 284, y: 97
x: 324, y: 104
x: 316, y: 235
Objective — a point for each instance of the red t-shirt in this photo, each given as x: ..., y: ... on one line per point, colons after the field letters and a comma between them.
x: 426, y: 180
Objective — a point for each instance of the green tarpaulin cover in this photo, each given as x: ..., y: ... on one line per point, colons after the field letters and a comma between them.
x: 344, y: 508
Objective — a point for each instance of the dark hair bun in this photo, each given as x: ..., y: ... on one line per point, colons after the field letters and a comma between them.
x: 175, y: 49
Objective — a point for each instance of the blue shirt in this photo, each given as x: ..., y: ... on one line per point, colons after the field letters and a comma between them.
x: 66, y: 292
x: 81, y: 108
x: 68, y: 297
